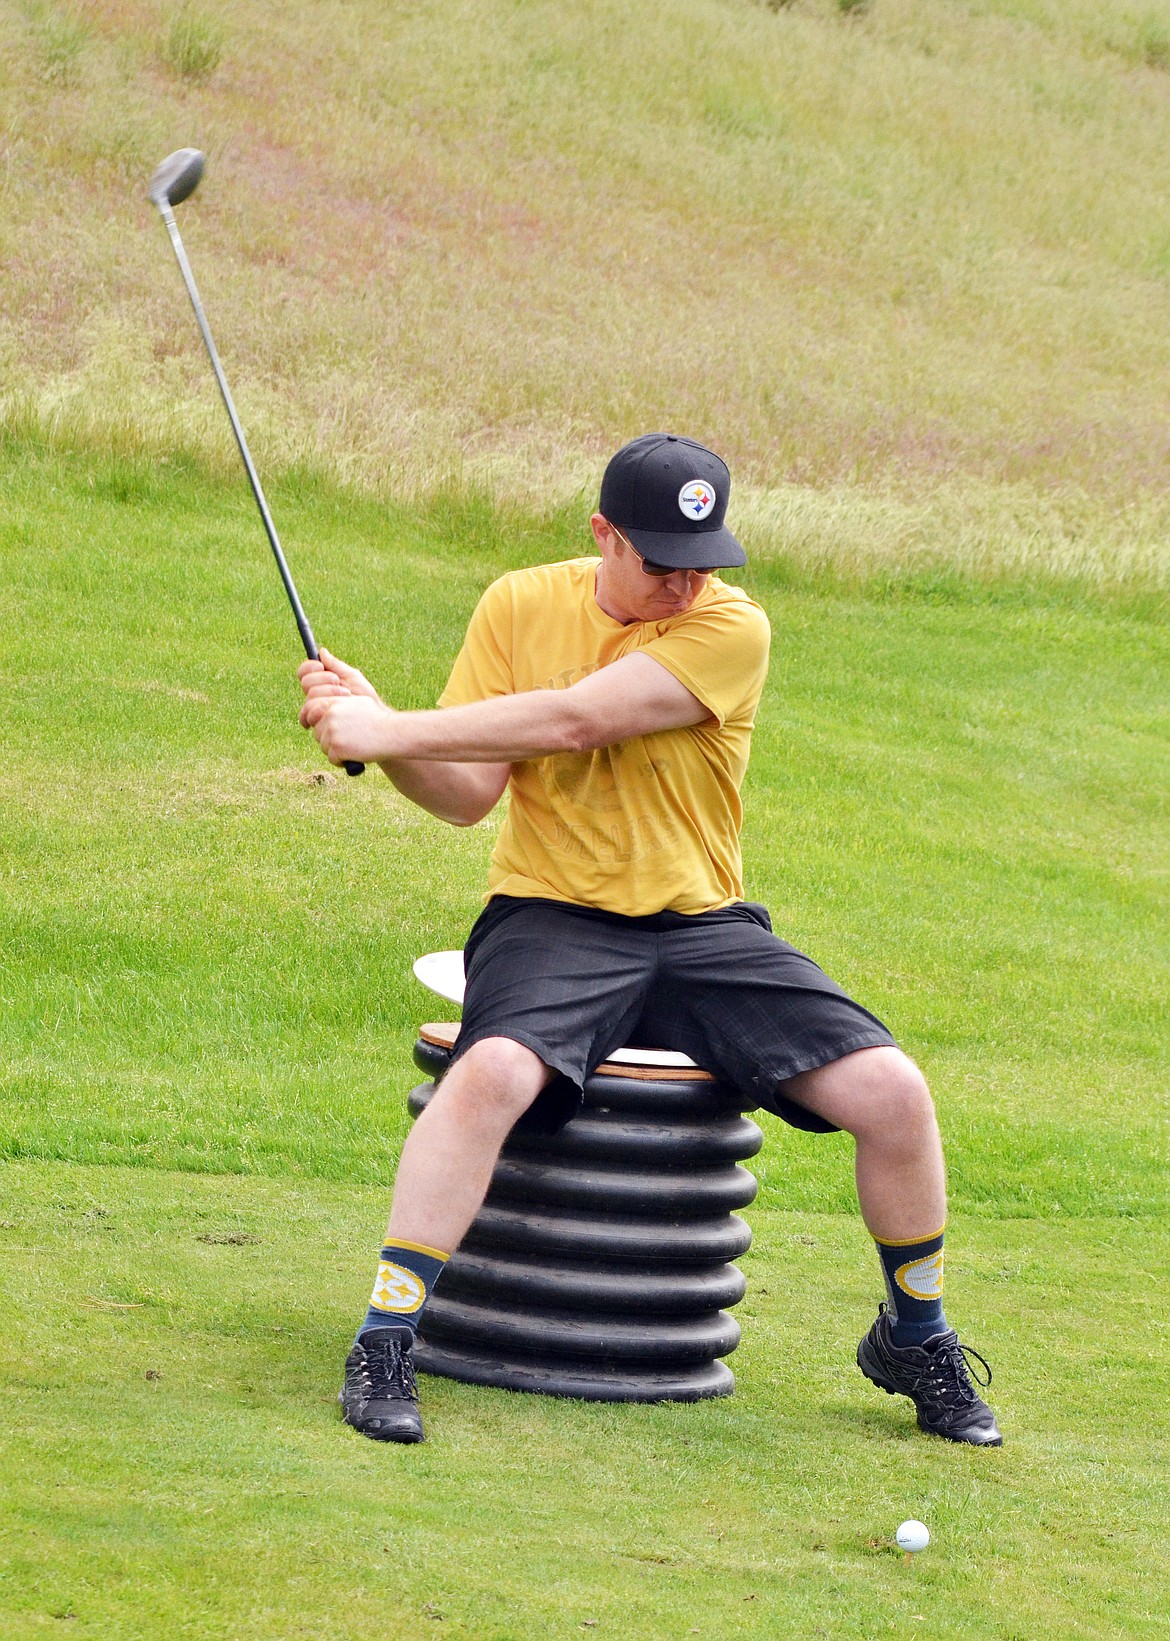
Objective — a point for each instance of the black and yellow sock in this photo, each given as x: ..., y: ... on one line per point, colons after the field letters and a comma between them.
x: 914, y: 1282
x: 407, y: 1272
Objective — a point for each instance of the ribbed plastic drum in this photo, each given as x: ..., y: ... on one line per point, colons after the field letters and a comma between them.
x: 600, y: 1263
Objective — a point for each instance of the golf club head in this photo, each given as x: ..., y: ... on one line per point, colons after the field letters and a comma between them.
x: 177, y: 177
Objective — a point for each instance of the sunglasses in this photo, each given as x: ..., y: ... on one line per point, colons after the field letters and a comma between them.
x: 648, y: 565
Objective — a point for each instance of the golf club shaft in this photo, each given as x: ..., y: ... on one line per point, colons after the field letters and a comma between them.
x: 352, y: 767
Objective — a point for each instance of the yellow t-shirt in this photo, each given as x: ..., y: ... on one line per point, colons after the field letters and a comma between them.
x: 648, y: 824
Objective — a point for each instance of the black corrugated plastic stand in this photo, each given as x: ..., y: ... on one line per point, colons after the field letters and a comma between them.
x: 599, y: 1265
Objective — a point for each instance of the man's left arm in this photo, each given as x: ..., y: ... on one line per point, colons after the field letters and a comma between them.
x: 633, y: 696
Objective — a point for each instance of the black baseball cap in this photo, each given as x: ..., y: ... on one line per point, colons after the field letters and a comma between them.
x: 669, y: 496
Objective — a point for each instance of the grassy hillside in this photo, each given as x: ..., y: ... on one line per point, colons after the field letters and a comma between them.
x: 957, y: 801
x: 906, y: 262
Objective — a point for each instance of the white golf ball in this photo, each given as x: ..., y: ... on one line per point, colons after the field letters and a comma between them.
x: 912, y: 1535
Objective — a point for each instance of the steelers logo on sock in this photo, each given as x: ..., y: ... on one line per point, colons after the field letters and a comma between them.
x: 922, y: 1278
x: 397, y: 1290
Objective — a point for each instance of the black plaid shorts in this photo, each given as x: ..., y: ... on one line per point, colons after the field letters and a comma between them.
x: 574, y: 984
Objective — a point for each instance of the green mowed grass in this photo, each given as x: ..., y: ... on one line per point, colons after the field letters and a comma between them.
x: 958, y: 803
x: 175, y: 1464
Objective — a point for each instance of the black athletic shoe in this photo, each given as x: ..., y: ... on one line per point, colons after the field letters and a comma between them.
x: 936, y: 1379
x: 380, y: 1394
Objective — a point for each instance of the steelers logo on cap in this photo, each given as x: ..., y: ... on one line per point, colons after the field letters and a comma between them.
x: 696, y: 499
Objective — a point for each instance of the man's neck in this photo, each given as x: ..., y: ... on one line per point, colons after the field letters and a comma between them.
x: 606, y: 602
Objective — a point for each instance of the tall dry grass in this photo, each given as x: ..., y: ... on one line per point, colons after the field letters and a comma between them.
x: 907, y: 265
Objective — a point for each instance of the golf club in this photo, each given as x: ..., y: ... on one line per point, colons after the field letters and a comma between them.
x: 173, y: 182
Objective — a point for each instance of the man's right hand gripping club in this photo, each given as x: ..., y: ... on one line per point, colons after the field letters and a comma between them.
x: 327, y: 682
x: 344, y: 710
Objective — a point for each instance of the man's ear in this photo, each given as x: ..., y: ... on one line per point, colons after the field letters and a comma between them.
x: 603, y: 533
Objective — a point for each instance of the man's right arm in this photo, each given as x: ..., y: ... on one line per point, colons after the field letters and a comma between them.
x: 460, y: 793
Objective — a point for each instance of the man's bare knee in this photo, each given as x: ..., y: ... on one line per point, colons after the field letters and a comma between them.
x: 497, y: 1078
x: 893, y: 1106
x: 878, y: 1091
x: 902, y: 1100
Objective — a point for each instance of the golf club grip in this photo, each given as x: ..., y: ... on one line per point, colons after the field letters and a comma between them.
x: 351, y: 765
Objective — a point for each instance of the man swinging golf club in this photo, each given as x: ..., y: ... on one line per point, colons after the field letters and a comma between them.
x: 614, y: 697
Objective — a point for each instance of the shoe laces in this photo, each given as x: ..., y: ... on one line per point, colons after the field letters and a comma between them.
x: 388, y: 1372
x: 946, y: 1378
